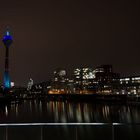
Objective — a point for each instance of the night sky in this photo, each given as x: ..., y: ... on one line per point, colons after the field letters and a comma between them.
x: 68, y: 34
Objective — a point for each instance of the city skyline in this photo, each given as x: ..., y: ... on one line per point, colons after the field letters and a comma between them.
x: 69, y: 34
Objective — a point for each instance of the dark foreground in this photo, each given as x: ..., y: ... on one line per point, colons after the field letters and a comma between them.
x: 70, y: 132
x: 69, y: 117
x: 63, y: 120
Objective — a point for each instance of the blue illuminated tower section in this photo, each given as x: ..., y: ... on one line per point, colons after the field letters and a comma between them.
x: 7, y: 41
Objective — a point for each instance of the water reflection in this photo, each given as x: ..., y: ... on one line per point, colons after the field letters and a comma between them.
x: 55, y: 111
x: 6, y: 111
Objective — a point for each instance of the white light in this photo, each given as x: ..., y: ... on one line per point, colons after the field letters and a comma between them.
x: 71, y: 81
x: 6, y: 110
x: 62, y: 73
x: 123, y: 92
x: 127, y: 79
x: 135, y: 92
x: 7, y: 33
x: 136, y: 78
x: 60, y: 124
x: 48, y: 86
x: 12, y: 84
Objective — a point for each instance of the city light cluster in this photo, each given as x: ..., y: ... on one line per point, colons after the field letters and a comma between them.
x: 101, y: 80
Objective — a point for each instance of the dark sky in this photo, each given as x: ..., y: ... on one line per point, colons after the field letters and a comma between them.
x: 69, y: 34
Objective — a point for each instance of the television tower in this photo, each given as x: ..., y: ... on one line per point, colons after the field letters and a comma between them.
x: 7, y: 41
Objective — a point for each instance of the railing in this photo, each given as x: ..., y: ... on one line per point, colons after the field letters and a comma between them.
x: 69, y: 131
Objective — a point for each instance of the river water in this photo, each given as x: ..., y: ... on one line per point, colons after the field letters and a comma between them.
x: 54, y: 111
x: 34, y: 111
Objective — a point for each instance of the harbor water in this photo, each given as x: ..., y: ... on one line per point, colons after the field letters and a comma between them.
x: 41, y: 120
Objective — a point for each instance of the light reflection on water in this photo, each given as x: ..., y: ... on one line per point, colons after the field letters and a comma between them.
x: 55, y: 111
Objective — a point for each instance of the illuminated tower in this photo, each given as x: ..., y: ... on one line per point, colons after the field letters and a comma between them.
x: 7, y: 41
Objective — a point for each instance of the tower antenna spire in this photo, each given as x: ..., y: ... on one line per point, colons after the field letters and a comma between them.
x: 7, y: 41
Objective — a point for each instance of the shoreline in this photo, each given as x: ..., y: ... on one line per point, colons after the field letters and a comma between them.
x: 107, y: 98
